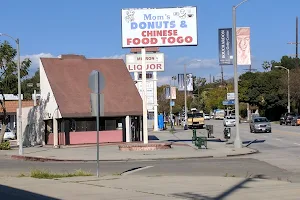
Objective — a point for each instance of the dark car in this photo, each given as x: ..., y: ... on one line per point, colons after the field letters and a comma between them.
x: 295, y: 121
x: 260, y: 124
x: 287, y: 118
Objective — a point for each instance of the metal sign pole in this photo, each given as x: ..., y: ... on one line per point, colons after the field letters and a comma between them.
x: 96, y: 84
x: 98, y: 120
x: 144, y: 84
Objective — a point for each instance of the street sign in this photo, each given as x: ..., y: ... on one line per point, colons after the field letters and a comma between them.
x: 228, y: 102
x: 230, y: 96
x: 96, y: 81
x: 172, y: 103
x: 94, y: 105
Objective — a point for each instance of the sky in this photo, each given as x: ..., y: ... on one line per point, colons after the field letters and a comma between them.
x: 93, y: 28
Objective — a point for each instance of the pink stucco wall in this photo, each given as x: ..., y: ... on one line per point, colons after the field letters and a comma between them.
x: 89, y: 137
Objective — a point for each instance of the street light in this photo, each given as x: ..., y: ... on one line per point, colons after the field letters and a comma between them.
x: 20, y: 137
x: 237, y: 142
x: 185, y: 101
x: 288, y: 74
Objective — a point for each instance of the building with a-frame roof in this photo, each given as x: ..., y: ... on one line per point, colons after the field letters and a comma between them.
x: 65, y: 107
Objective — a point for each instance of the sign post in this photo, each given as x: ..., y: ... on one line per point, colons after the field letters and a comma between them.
x: 144, y: 84
x: 96, y: 84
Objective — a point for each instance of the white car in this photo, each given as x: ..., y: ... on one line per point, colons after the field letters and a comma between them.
x: 229, y: 121
x: 206, y: 117
x: 9, y: 134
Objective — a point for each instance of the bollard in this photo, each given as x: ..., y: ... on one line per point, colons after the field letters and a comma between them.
x: 194, y: 136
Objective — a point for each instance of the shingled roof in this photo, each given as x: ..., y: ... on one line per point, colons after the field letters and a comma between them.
x: 68, y: 78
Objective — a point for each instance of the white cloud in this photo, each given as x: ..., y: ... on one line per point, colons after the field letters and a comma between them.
x: 195, y: 63
x: 35, y: 59
x: 163, y: 80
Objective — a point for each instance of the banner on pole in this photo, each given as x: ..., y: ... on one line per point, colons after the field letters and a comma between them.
x: 243, y: 46
x: 225, y: 46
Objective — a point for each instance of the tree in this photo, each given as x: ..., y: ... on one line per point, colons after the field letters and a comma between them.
x: 264, y: 91
x: 28, y: 91
x: 9, y: 78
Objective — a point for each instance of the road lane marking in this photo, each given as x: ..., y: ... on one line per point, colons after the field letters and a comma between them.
x: 297, y: 144
x: 277, y: 139
x: 133, y: 170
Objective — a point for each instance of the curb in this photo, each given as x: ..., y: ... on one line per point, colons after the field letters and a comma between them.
x: 244, y: 154
x: 44, y: 159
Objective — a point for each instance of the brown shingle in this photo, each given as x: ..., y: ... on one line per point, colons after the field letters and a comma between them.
x: 12, y: 106
x: 68, y: 77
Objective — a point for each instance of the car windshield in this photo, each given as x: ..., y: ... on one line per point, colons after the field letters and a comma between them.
x: 230, y: 117
x: 195, y: 115
x: 261, y: 119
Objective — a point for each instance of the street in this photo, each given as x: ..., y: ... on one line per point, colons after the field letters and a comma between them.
x: 278, y: 159
x: 280, y: 148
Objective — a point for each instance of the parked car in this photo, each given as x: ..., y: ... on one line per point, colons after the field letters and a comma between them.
x: 287, y: 118
x: 295, y: 121
x: 260, y: 124
x: 229, y: 120
x: 9, y: 134
x: 206, y: 116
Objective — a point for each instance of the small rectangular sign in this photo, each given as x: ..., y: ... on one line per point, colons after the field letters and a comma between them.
x: 154, y: 62
x: 230, y: 96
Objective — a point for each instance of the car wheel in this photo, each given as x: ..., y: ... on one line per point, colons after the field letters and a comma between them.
x: 251, y: 131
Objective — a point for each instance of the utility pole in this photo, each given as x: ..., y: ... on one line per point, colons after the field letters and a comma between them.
x: 222, y: 75
x: 296, y: 43
x: 297, y: 60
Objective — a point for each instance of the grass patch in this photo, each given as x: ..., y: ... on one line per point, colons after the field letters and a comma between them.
x: 45, y: 174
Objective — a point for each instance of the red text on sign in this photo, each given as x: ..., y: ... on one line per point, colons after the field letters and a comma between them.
x: 149, y: 67
x: 159, y: 33
x: 163, y: 40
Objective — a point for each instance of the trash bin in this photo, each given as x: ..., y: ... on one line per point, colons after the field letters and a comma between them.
x: 227, y: 133
x: 210, y: 130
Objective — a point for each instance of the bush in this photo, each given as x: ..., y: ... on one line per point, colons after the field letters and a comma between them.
x: 5, y: 145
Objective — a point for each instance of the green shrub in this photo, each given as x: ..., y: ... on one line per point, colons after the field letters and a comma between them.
x: 5, y: 145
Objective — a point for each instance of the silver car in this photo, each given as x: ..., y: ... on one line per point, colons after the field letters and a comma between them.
x: 260, y: 124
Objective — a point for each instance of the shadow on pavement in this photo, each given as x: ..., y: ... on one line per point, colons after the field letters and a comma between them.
x: 208, y: 139
x: 152, y: 137
x: 223, y: 195
x: 11, y: 193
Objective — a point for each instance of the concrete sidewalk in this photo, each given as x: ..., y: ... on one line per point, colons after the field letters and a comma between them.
x: 136, y: 187
x: 182, y: 148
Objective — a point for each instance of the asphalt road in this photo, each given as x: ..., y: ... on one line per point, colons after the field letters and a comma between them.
x: 280, y: 148
x: 235, y: 167
x: 279, y: 159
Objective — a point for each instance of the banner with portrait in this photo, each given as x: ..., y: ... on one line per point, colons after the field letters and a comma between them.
x: 180, y: 82
x: 243, y: 46
x: 189, y: 82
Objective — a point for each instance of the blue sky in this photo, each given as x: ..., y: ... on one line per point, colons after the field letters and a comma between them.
x: 93, y: 28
